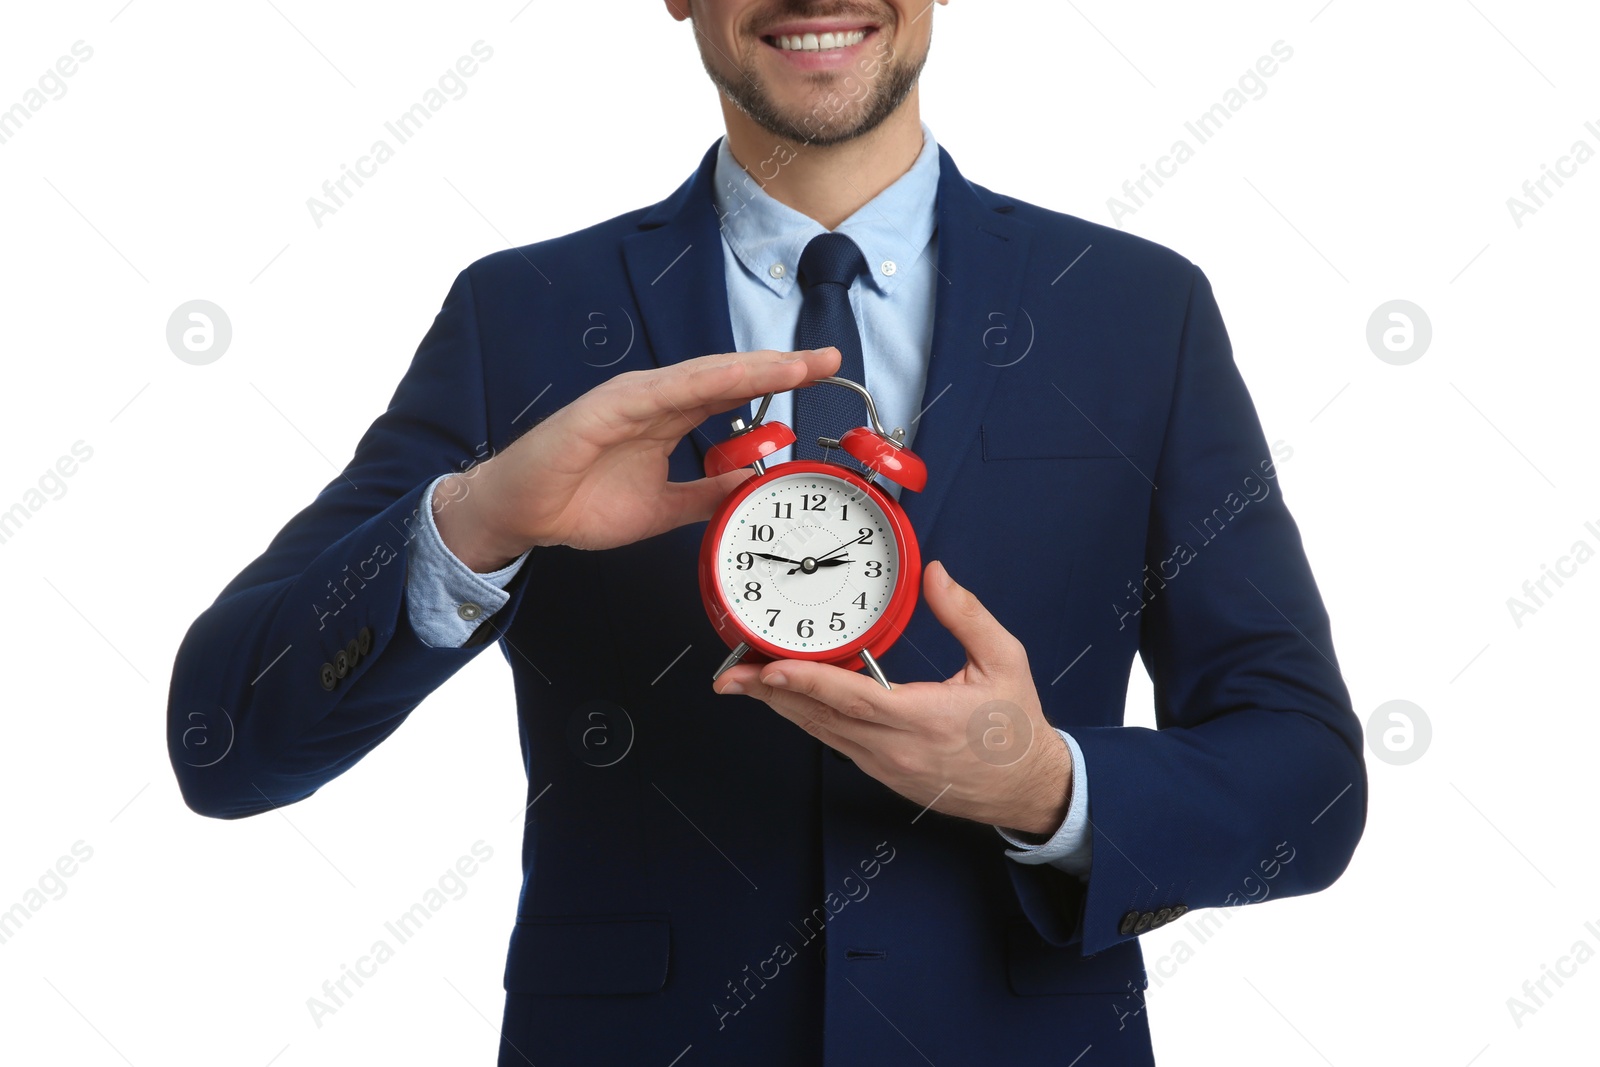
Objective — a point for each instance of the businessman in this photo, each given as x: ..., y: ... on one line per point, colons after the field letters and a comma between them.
x: 793, y: 864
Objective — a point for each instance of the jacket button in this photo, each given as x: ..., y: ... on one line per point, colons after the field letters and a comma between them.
x: 329, y: 678
x: 1145, y: 919
x: 364, y: 640
x: 352, y: 651
x: 1129, y: 921
x: 1163, y: 917
x: 341, y: 663
x: 1178, y: 910
x: 469, y: 611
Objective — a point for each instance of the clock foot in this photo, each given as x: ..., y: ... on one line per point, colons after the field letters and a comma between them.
x: 874, y: 670
x: 733, y: 657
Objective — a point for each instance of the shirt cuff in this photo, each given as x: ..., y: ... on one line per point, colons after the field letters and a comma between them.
x: 1070, y: 847
x: 445, y: 599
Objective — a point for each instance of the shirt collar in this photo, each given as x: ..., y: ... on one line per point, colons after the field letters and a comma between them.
x: 892, y: 229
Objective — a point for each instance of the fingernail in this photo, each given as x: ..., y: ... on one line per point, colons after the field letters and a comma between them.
x: 731, y: 689
x: 943, y: 576
x: 775, y: 679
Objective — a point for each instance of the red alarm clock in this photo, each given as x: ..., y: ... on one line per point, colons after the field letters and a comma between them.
x: 812, y: 559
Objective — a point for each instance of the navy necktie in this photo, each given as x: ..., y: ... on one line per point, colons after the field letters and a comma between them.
x: 828, y: 266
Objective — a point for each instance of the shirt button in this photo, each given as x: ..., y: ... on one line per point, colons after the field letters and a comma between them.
x: 469, y: 611
x: 889, y: 268
x: 776, y: 270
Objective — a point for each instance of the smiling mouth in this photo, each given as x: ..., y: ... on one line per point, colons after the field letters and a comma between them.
x: 814, y: 42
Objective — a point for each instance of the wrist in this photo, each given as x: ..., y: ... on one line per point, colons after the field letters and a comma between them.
x: 1044, y: 807
x: 463, y: 520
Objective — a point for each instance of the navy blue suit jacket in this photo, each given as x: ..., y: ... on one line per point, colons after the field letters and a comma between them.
x: 1096, y: 478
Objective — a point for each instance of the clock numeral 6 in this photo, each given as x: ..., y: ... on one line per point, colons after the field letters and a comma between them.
x: 803, y: 628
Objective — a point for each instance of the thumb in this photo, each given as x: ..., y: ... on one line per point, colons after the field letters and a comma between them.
x: 688, y: 502
x: 989, y: 646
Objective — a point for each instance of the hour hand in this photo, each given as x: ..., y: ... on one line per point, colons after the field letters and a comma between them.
x: 800, y: 565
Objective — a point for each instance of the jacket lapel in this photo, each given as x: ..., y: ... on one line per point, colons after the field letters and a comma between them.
x: 983, y: 258
x: 675, y: 267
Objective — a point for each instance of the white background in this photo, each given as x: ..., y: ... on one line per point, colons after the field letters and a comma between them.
x: 1376, y: 167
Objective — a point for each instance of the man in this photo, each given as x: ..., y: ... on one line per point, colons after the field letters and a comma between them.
x: 955, y: 869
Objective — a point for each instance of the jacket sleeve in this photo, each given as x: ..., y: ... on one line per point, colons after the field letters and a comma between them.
x: 307, y: 659
x: 1253, y: 785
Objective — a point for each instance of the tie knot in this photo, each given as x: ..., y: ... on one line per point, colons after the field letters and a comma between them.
x: 831, y: 257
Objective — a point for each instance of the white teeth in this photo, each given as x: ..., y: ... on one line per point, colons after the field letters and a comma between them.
x: 811, y: 42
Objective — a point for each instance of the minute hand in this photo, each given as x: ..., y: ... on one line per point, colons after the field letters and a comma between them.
x: 835, y: 552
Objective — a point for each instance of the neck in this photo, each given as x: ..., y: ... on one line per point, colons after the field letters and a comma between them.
x: 831, y: 183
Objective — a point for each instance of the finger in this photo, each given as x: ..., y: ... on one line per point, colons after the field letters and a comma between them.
x: 699, y: 388
x: 856, y: 696
x: 989, y: 646
x: 855, y: 738
x: 686, y: 502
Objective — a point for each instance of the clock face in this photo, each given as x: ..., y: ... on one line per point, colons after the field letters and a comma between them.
x: 808, y: 562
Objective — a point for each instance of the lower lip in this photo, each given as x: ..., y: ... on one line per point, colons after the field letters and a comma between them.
x: 832, y: 59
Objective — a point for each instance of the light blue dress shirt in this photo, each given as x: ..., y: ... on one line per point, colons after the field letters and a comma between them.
x: 893, y: 306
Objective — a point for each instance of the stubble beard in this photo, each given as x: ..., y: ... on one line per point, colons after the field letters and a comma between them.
x: 837, y: 115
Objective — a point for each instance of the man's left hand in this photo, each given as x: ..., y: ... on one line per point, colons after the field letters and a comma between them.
x: 976, y: 745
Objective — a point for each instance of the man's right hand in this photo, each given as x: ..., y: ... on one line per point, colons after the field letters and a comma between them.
x: 593, y: 475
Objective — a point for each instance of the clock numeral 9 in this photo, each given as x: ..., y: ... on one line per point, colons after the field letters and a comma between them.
x: 752, y: 590
x: 744, y: 561
x: 761, y: 533
x: 837, y: 622
x: 803, y: 628
x: 874, y: 568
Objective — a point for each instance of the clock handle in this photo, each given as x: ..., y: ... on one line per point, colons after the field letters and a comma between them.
x: 875, y: 670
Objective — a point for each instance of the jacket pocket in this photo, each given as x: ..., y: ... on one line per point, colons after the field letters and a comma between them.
x: 1035, y: 968
x: 588, y: 955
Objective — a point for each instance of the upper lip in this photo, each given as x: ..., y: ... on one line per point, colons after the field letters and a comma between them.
x: 816, y: 26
